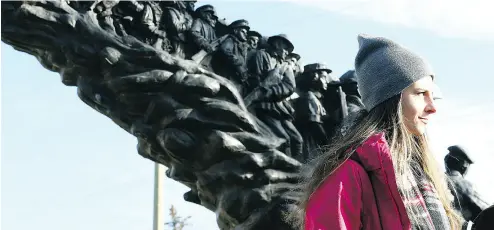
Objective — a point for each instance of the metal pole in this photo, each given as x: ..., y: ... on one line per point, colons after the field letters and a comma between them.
x: 158, y: 220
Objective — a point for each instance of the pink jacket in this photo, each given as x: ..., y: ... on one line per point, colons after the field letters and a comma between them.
x: 361, y: 194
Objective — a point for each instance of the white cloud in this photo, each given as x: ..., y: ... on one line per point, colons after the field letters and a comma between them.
x: 454, y: 18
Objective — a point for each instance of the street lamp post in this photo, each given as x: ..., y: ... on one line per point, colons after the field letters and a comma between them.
x: 158, y: 222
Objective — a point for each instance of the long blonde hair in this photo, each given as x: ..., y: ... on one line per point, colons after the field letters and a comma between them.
x: 386, y: 117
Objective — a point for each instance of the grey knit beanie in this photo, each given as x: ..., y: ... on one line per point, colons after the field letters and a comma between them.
x: 384, y: 69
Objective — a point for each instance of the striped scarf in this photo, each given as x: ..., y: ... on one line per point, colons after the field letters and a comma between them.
x: 424, y: 208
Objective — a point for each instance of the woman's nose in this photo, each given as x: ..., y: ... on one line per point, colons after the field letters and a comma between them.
x: 431, y: 106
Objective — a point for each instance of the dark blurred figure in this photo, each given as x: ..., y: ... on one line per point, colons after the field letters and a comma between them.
x: 230, y: 60
x: 293, y: 59
x: 273, y: 82
x: 178, y: 18
x: 262, y: 43
x: 466, y: 199
x: 309, y: 112
x: 353, y: 99
x: 485, y: 220
x: 253, y: 39
x: 349, y: 85
x: 334, y: 101
x: 202, y: 31
x: 256, y: 42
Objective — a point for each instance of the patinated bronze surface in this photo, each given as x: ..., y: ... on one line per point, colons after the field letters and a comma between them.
x: 224, y: 130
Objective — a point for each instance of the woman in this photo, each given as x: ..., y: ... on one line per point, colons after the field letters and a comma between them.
x: 380, y: 174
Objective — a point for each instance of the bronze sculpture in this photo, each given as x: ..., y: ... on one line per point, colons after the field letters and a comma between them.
x: 134, y: 63
x: 466, y: 198
x: 309, y: 110
x: 231, y: 57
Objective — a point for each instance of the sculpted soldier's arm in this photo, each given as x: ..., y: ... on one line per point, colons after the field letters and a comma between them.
x: 261, y: 64
x: 136, y: 5
x: 475, y: 203
x: 311, y: 109
x: 308, y: 108
x: 176, y: 21
x: 197, y: 37
x: 226, y: 48
x: 284, y: 89
x: 148, y: 22
x: 258, y: 66
x: 315, y: 121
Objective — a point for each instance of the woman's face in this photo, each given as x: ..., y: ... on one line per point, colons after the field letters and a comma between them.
x: 417, y: 103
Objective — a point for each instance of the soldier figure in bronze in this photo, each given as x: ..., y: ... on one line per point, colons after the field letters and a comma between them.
x: 125, y: 15
x: 466, y: 199
x: 276, y: 84
x: 309, y: 110
x: 178, y: 20
x: 152, y: 26
x: 293, y: 60
x: 253, y: 39
x: 203, y: 31
x: 354, y: 102
x: 230, y: 58
x: 334, y: 102
x: 104, y: 14
x: 349, y: 86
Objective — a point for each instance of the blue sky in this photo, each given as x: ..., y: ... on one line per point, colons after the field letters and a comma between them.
x: 65, y: 166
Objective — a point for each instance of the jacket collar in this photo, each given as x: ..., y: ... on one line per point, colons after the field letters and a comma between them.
x: 373, y: 152
x: 375, y: 157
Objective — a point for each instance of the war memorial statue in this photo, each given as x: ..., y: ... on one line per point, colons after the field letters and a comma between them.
x: 466, y: 199
x: 231, y: 113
